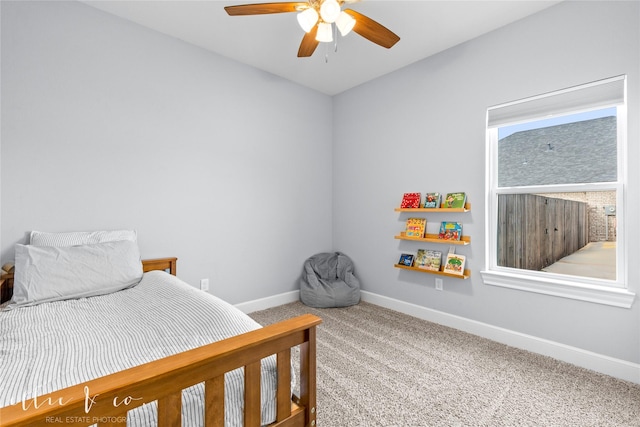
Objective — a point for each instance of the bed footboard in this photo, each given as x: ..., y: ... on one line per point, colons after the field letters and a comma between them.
x: 107, y: 400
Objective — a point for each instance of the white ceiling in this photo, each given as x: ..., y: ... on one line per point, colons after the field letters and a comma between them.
x: 270, y: 42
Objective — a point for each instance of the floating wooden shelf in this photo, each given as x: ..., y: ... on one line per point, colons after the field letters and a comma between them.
x: 433, y: 238
x: 467, y: 208
x: 466, y: 275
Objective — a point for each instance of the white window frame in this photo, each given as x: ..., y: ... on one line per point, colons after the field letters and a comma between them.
x: 601, y: 94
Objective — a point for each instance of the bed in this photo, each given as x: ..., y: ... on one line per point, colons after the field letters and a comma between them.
x: 158, y: 352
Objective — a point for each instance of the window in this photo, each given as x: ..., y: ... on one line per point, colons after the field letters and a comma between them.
x: 555, y: 222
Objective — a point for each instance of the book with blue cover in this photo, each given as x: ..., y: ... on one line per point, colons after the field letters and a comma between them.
x: 432, y: 200
x: 450, y: 230
x: 406, y: 260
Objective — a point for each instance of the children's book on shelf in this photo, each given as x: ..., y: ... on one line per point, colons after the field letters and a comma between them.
x: 421, y: 258
x: 454, y: 200
x: 416, y: 227
x: 406, y: 260
x: 411, y: 200
x: 428, y: 259
x: 432, y: 200
x: 450, y: 230
x: 454, y: 264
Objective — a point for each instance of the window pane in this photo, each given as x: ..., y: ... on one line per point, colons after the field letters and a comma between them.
x: 555, y: 181
x: 573, y: 149
x: 562, y: 233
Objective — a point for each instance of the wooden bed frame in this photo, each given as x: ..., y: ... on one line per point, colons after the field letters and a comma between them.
x: 106, y: 400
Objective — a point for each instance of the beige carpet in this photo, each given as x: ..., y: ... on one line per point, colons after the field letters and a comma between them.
x: 378, y: 367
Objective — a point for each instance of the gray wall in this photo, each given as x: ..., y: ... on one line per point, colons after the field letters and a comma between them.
x: 423, y: 129
x: 107, y: 125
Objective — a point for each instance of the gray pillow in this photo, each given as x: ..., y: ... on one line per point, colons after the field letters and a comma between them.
x: 48, y: 273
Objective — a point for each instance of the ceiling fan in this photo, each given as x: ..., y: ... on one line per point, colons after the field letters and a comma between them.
x: 316, y: 18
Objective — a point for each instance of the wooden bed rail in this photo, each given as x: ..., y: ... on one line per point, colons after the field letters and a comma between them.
x: 106, y: 400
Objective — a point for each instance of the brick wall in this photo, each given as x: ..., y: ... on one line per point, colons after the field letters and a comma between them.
x: 601, y: 227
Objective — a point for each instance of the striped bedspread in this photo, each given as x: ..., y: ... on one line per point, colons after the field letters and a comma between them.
x: 59, y: 344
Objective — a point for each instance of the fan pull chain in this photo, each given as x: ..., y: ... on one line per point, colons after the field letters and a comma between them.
x: 335, y: 44
x: 326, y: 53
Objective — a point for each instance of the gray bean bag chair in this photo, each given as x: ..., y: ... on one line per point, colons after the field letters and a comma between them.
x: 328, y: 281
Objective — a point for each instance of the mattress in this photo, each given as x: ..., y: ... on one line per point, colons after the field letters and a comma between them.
x: 58, y: 344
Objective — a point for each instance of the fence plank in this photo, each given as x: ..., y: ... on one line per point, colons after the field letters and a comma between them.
x: 534, y: 231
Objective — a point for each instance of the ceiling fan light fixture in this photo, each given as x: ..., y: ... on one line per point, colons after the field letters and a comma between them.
x: 307, y: 19
x: 324, y: 32
x: 317, y: 18
x: 345, y: 23
x: 329, y: 10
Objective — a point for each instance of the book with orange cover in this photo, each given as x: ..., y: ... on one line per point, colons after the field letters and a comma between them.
x: 416, y: 227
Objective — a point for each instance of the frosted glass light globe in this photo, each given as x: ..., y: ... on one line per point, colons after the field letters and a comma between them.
x: 324, y: 33
x: 329, y: 10
x: 307, y: 19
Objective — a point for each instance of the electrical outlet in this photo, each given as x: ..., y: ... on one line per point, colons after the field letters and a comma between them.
x: 204, y: 284
x: 438, y: 284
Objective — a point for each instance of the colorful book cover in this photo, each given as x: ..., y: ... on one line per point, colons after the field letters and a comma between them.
x: 454, y: 264
x: 416, y: 227
x: 406, y: 259
x: 434, y: 260
x: 450, y: 230
x: 411, y: 200
x: 454, y: 200
x: 432, y: 200
x: 421, y: 258
x: 428, y: 259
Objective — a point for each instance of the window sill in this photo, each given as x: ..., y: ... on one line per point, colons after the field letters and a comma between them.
x: 598, y: 294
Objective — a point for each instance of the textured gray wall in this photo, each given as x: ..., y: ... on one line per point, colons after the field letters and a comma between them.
x: 423, y: 129
x: 106, y: 124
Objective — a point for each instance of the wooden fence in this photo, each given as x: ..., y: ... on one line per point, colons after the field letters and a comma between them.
x: 536, y: 231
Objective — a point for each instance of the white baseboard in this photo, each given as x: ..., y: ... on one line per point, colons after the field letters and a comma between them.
x: 268, y: 302
x: 617, y: 368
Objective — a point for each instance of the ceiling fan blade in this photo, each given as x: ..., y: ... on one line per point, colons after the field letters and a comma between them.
x: 265, y: 8
x: 309, y: 43
x: 373, y: 31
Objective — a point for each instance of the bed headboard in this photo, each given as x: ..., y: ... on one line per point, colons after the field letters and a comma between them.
x: 6, y: 280
x: 160, y: 264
